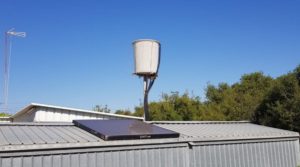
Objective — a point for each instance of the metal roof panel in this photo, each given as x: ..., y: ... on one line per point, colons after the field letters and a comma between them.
x: 224, y: 130
x: 49, y: 136
x: 40, y: 134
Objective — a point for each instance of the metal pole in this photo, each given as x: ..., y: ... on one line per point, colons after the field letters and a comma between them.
x: 146, y: 109
x: 7, y: 51
x: 7, y: 55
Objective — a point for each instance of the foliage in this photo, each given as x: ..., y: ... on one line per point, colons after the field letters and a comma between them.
x: 4, y: 114
x: 240, y: 100
x: 281, y: 106
x: 99, y: 108
x: 256, y: 97
x: 123, y: 112
x: 178, y: 107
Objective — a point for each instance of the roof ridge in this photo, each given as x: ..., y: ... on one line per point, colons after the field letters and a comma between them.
x: 198, y: 122
x: 36, y: 124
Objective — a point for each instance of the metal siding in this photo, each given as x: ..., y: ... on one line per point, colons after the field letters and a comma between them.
x: 272, y: 154
x: 66, y: 160
x: 157, y: 156
x: 6, y: 162
x: 17, y: 162
x: 27, y: 161
x: 297, y: 154
x: 128, y: 158
x: 37, y: 161
x: 74, y: 160
x: 269, y: 154
x: 100, y: 159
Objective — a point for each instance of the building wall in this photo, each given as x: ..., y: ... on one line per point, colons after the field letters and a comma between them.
x: 57, y: 115
x: 156, y: 157
x: 254, y: 154
x: 28, y: 117
x: 5, y: 119
x: 43, y: 114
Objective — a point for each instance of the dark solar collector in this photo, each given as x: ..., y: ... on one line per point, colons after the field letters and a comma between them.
x: 124, y: 129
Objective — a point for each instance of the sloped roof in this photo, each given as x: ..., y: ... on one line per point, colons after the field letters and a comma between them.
x: 31, y: 136
x: 32, y: 105
x: 223, y: 130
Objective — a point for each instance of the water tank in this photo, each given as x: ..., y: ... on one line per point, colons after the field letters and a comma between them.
x: 146, y: 56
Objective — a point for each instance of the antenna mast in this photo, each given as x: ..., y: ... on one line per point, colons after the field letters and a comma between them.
x: 7, y: 55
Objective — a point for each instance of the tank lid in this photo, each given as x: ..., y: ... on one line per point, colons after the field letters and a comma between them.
x: 141, y: 40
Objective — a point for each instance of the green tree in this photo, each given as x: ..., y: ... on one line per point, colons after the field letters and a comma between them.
x: 162, y: 110
x: 175, y: 106
x: 256, y: 97
x: 240, y: 100
x: 250, y: 92
x: 99, y: 108
x: 281, y: 107
x: 4, y: 114
x: 124, y: 112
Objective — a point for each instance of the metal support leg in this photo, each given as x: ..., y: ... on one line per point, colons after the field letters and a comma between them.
x: 146, y: 110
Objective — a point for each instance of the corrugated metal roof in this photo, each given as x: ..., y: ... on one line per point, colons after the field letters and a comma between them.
x: 36, y: 136
x: 222, y: 130
x: 30, y: 136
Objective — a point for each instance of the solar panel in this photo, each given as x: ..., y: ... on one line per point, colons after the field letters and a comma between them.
x: 124, y: 129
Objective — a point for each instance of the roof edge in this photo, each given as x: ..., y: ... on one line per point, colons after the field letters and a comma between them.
x: 36, y: 124
x: 198, y: 122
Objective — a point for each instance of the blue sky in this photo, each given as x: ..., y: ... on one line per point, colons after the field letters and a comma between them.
x: 79, y: 53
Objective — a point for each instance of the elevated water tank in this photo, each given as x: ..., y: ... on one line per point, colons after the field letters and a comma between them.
x: 146, y: 56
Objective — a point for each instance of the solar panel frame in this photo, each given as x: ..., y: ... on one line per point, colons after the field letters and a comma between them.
x: 124, y: 129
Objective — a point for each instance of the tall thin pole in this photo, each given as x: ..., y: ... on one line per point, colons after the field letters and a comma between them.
x: 146, y: 91
x: 7, y: 55
x: 5, y: 75
x: 148, y: 83
x: 7, y: 50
